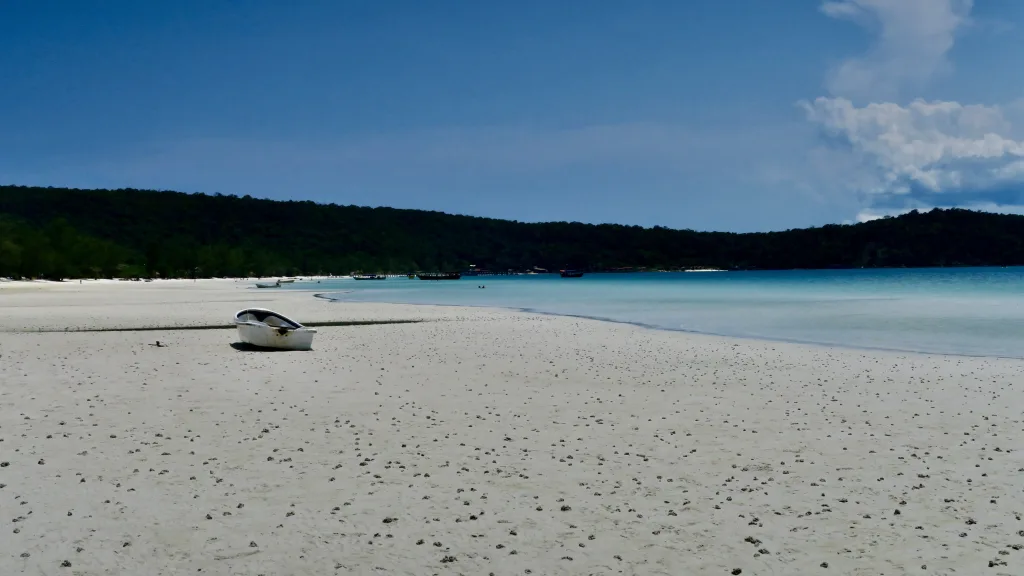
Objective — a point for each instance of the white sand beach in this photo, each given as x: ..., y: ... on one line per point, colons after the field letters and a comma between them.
x: 484, y: 442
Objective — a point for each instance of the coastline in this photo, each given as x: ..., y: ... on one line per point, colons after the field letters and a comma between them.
x: 692, y: 332
x: 584, y: 446
x: 245, y: 294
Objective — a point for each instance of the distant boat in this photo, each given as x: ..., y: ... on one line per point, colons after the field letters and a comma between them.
x: 411, y: 276
x: 267, y: 329
x: 439, y: 276
x: 369, y: 277
x: 286, y: 280
x: 268, y: 284
x: 571, y: 274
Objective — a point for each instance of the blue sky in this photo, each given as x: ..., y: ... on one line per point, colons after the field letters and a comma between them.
x: 730, y: 115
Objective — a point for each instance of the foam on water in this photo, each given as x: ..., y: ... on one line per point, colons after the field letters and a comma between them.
x: 974, y: 311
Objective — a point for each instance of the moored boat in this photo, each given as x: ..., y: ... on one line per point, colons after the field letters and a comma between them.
x: 369, y: 277
x: 571, y: 274
x: 268, y: 329
x: 268, y: 284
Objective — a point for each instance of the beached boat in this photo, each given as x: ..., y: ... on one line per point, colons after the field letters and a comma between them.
x: 286, y: 280
x: 369, y: 277
x: 571, y: 274
x: 267, y: 329
x: 439, y: 276
x: 268, y: 284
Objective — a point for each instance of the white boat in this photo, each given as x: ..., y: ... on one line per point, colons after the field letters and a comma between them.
x: 268, y: 284
x: 267, y: 329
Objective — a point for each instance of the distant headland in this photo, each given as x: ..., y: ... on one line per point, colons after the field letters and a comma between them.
x: 60, y: 233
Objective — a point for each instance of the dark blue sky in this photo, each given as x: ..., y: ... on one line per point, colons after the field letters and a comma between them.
x: 685, y: 114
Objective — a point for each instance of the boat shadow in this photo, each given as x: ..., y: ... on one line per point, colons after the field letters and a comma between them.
x: 243, y: 347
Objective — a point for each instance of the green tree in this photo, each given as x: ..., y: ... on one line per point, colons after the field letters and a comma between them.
x: 55, y: 232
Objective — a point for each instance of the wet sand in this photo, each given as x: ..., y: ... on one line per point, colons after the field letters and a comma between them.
x: 483, y: 441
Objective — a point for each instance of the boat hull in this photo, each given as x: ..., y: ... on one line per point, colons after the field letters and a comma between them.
x: 276, y: 338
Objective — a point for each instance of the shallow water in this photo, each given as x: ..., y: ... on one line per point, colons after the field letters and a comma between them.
x: 972, y: 311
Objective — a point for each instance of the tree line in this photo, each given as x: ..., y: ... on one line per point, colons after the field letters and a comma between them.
x: 72, y: 233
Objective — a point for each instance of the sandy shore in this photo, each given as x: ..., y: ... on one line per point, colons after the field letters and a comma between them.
x: 485, y: 442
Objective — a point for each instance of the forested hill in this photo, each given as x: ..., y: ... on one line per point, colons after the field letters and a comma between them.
x: 66, y: 233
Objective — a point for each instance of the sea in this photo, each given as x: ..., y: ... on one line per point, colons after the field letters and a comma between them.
x: 963, y: 311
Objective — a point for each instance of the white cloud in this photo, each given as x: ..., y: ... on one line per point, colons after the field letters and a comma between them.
x: 912, y: 39
x: 895, y: 155
x: 936, y: 147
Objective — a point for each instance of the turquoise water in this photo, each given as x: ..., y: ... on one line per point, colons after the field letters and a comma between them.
x: 972, y: 311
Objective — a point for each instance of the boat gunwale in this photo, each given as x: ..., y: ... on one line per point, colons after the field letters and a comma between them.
x: 296, y: 326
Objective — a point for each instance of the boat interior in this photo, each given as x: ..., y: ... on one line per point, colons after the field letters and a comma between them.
x: 268, y: 318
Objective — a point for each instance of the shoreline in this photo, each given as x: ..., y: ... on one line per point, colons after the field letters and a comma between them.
x: 483, y: 441
x: 264, y: 295
x: 760, y: 339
